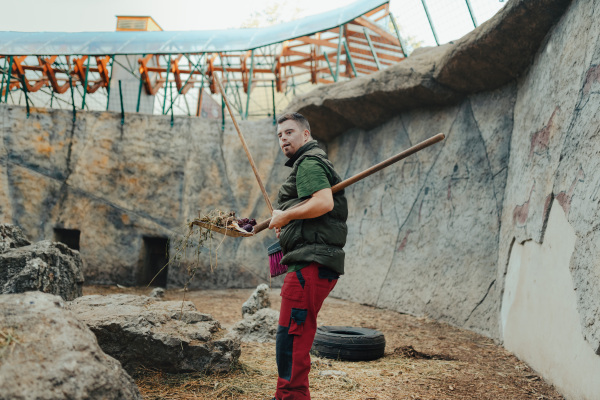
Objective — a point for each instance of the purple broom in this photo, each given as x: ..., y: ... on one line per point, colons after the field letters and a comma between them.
x: 275, y: 256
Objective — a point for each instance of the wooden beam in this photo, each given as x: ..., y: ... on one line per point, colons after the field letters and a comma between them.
x: 365, y: 67
x: 319, y: 42
x: 356, y: 50
x: 377, y: 29
x: 392, y: 50
x: 289, y: 52
x: 375, y: 11
x: 378, y: 40
x: 370, y: 59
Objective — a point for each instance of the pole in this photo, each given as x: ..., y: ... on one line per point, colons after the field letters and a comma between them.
x: 339, y: 50
x: 430, y: 22
x: 171, y: 91
x: 244, y: 145
x: 112, y: 62
x: 402, y: 45
x: 2, y: 85
x: 471, y: 13
x: 137, y: 107
x: 166, y: 84
x: 8, y: 79
x: 199, y: 108
x: 329, y: 65
x: 249, y: 84
x: 273, y: 94
x: 25, y: 91
x: 72, y: 98
x: 370, y: 171
x: 372, y: 48
x: 122, y: 107
x: 87, y: 70
x: 350, y: 58
x: 222, y: 110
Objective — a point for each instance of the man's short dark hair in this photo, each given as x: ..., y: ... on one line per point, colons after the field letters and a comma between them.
x: 299, y: 118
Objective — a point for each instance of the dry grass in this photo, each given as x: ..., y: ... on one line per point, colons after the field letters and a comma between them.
x: 8, y: 340
x: 424, y: 360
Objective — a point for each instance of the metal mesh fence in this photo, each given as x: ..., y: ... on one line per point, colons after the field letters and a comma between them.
x: 421, y: 21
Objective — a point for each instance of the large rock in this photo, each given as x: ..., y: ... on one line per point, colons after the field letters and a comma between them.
x: 11, y: 237
x: 258, y: 327
x: 46, y: 266
x: 167, y: 335
x: 500, y: 49
x: 257, y: 301
x: 47, y: 353
x: 492, y: 55
x: 260, y: 322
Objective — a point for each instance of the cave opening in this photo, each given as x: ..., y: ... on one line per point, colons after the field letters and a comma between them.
x: 153, y: 261
x: 69, y: 237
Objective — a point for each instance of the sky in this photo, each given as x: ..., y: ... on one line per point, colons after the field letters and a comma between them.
x: 451, y: 17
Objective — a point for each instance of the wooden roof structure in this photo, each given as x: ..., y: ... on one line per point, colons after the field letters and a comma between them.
x: 366, y: 41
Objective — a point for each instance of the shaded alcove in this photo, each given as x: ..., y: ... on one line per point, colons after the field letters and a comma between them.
x: 154, y: 256
x: 70, y: 237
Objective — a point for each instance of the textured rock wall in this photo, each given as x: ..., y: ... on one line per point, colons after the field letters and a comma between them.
x: 117, y: 183
x: 426, y: 231
x: 437, y: 241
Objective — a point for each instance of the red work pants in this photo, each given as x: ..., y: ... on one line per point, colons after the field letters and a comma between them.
x: 303, y: 293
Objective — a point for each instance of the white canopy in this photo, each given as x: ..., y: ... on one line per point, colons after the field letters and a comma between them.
x: 175, y: 42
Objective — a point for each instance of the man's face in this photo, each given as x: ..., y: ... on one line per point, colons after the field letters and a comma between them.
x: 291, y: 137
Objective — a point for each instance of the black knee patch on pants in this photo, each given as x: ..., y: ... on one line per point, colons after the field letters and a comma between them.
x: 284, y: 347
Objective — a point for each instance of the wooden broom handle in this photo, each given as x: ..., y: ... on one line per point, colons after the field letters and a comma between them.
x: 239, y: 131
x: 375, y: 168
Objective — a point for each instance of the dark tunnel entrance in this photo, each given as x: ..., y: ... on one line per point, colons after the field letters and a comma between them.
x: 70, y: 237
x: 153, y: 261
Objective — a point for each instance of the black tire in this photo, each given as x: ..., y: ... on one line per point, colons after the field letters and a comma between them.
x: 348, y: 343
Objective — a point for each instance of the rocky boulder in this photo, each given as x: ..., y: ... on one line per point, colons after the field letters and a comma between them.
x: 46, y: 266
x: 168, y: 335
x: 47, y: 353
x: 259, y: 327
x: 260, y: 322
x: 11, y: 237
x: 258, y: 300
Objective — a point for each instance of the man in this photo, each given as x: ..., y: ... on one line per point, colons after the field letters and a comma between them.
x: 312, y: 236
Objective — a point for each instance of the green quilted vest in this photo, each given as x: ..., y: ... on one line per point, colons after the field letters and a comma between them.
x: 318, y: 239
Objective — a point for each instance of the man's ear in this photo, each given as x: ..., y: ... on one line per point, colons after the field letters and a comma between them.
x: 306, y: 134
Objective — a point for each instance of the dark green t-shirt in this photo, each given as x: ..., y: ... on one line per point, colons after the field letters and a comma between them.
x: 311, y: 177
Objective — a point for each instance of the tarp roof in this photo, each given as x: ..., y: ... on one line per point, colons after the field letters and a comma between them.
x: 174, y: 42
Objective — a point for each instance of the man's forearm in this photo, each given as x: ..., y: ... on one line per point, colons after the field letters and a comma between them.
x: 320, y: 203
x: 313, y: 208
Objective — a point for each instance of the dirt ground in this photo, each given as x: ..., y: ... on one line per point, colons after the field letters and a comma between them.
x: 424, y: 359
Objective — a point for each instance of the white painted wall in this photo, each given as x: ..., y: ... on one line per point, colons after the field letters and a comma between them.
x: 539, y: 317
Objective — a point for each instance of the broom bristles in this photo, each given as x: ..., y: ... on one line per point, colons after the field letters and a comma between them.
x: 275, y: 266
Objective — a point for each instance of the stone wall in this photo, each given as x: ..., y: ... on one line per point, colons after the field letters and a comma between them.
x: 426, y: 231
x: 119, y: 183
